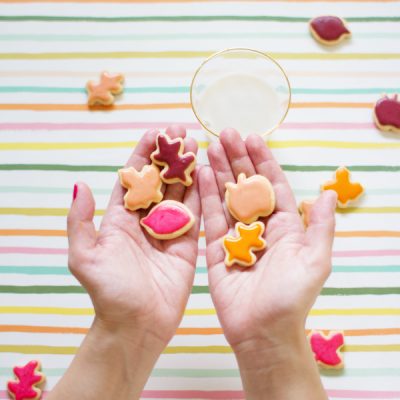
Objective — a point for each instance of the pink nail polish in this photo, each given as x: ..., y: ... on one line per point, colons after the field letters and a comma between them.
x: 75, y: 192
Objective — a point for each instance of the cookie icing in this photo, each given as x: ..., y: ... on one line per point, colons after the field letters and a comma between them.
x: 104, y: 91
x: 347, y: 191
x: 143, y: 188
x: 168, y: 220
x: 387, y: 113
x: 326, y: 349
x: 250, y: 198
x: 28, y: 377
x: 329, y: 29
x: 177, y: 166
x: 240, y: 249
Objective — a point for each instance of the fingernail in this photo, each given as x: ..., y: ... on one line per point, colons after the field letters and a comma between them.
x: 75, y: 192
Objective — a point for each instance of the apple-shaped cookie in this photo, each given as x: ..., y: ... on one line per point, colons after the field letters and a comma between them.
x: 387, y: 114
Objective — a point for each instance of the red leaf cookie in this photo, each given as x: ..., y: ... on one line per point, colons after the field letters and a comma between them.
x: 347, y: 191
x: 177, y: 165
x: 28, y: 378
x: 168, y: 220
x: 326, y: 349
x: 387, y: 114
x: 329, y: 30
x: 240, y: 249
x: 104, y: 91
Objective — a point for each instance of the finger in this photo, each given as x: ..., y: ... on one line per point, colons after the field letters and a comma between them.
x: 236, y: 151
x: 321, y: 230
x: 215, y: 223
x: 81, y: 229
x: 176, y: 191
x: 265, y: 164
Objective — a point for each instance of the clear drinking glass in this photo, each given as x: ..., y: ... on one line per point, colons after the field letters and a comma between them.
x: 240, y: 88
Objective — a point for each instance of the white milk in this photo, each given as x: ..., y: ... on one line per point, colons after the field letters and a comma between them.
x: 239, y: 101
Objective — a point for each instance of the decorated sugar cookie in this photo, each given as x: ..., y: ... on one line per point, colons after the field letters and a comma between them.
x: 387, y: 114
x: 143, y: 187
x: 326, y: 349
x: 240, y: 249
x: 250, y: 198
x: 178, y: 165
x: 25, y: 387
x: 347, y: 191
x: 329, y: 30
x: 168, y: 220
x: 103, y: 92
x: 305, y: 210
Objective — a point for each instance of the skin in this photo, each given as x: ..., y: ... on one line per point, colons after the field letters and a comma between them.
x: 263, y: 309
x: 139, y: 287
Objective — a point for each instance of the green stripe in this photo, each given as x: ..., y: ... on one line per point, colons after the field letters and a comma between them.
x: 191, y: 54
x: 183, y: 18
x: 186, y: 89
x: 114, y: 168
x: 182, y: 36
x: 195, y: 290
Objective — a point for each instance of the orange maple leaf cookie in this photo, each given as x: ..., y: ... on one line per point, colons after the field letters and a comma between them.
x: 347, y: 191
x: 250, y: 198
x: 305, y: 210
x: 104, y: 91
x: 329, y: 30
x: 387, y: 114
x: 29, y: 377
x: 240, y: 249
x: 143, y: 187
x: 326, y: 348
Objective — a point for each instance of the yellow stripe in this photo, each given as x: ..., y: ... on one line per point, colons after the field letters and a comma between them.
x: 355, y: 311
x: 371, y: 347
x: 201, y: 311
x: 54, y: 212
x: 368, y: 210
x: 46, y: 310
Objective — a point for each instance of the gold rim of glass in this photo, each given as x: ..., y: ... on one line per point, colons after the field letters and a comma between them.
x: 267, y: 57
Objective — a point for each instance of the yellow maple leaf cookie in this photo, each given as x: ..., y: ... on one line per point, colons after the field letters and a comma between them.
x: 240, y: 249
x: 143, y: 187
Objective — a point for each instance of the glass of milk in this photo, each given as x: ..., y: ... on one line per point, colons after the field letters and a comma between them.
x: 242, y: 89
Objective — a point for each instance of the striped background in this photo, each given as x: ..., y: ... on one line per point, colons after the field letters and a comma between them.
x: 49, y: 140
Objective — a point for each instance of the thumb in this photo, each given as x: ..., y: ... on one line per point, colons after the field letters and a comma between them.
x: 81, y: 230
x: 321, y: 229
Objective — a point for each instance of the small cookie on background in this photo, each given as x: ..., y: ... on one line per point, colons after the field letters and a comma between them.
x: 329, y: 30
x: 326, y: 348
x: 387, y: 114
x: 103, y: 93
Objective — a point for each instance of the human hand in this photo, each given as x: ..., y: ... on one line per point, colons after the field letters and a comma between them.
x: 262, y: 309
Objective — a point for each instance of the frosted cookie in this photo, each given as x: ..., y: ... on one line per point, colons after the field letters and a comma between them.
x: 240, y: 249
x: 28, y: 378
x: 326, y: 349
x: 103, y: 92
x: 250, y: 198
x: 347, y: 191
x: 305, y: 211
x: 168, y: 220
x: 143, y: 188
x: 177, y: 165
x: 387, y: 114
x: 329, y: 30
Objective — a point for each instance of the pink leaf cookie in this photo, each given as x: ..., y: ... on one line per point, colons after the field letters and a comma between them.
x: 250, y: 198
x: 143, y: 187
x: 178, y: 166
x: 168, y: 220
x: 326, y: 349
x: 104, y: 91
x: 329, y: 30
x: 28, y: 378
x: 387, y: 114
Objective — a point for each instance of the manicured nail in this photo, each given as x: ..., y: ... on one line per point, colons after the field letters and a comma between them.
x: 75, y: 192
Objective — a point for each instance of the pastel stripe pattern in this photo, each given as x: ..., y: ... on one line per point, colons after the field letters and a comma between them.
x: 49, y: 140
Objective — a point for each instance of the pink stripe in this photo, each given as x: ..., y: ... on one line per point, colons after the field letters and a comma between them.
x: 366, y: 253
x: 32, y: 250
x: 150, y: 125
x: 238, y: 394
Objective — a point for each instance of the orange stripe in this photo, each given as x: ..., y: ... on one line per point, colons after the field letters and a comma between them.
x: 180, y: 331
x: 368, y: 234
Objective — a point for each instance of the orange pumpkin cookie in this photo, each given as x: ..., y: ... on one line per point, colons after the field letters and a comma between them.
x: 240, y: 249
x: 326, y: 349
x: 104, y: 91
x: 305, y: 210
x: 347, y: 191
x: 329, y: 30
x: 143, y: 187
x: 250, y: 198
